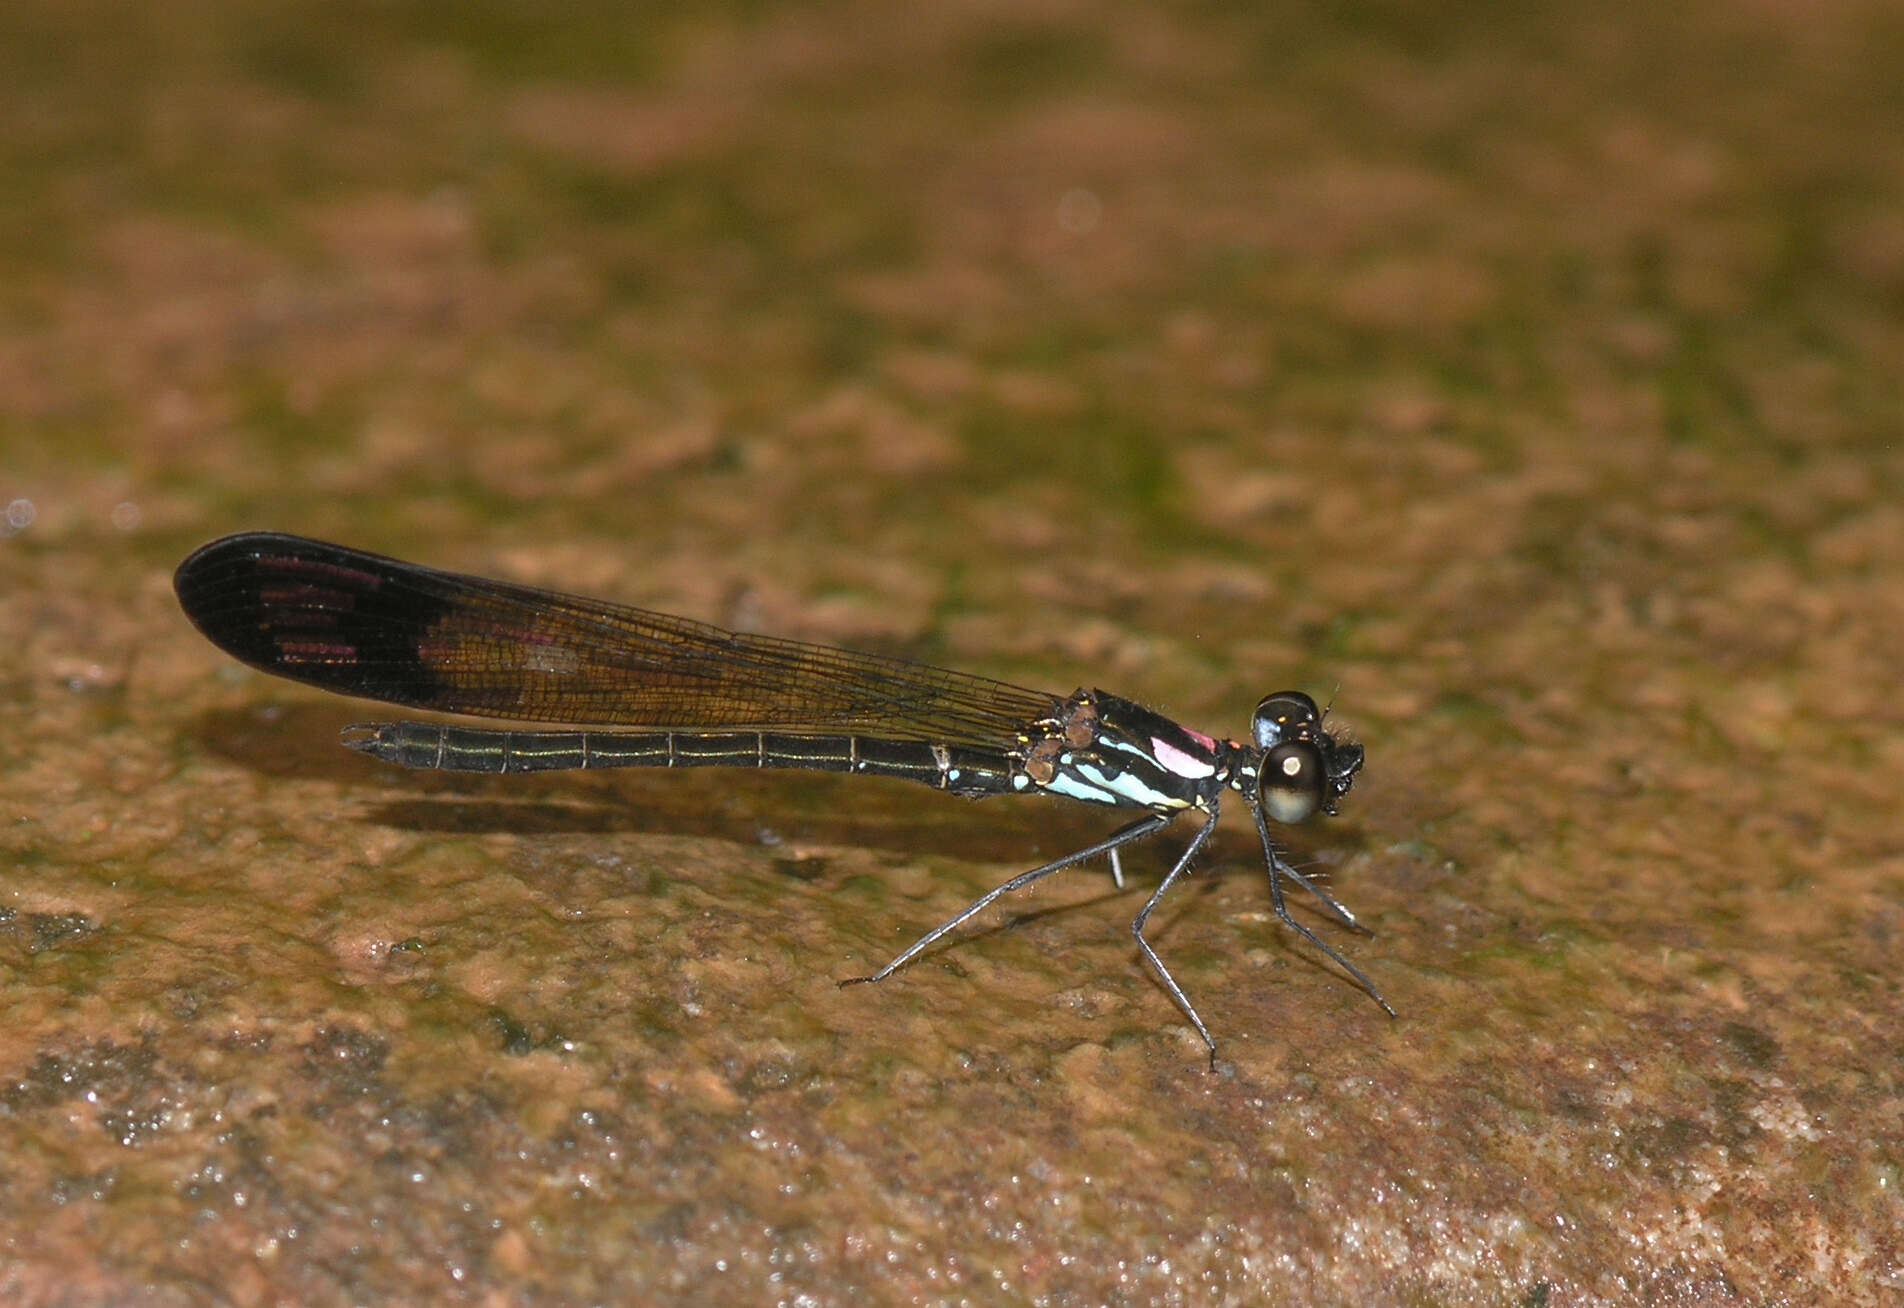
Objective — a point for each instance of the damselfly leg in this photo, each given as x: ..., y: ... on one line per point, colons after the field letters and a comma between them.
x: 1124, y: 835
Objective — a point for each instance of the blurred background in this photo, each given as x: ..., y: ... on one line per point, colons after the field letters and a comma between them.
x: 1525, y: 380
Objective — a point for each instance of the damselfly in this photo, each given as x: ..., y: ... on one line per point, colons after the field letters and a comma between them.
x: 361, y: 624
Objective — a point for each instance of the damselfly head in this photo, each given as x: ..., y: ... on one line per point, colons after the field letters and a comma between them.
x: 1341, y: 759
x: 1304, y: 768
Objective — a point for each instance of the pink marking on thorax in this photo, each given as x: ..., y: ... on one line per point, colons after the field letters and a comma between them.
x: 1178, y: 763
x: 1208, y: 742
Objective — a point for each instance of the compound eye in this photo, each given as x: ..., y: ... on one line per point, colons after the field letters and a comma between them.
x: 1286, y: 715
x: 1290, y: 782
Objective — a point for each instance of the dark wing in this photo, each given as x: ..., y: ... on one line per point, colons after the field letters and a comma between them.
x: 366, y: 625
